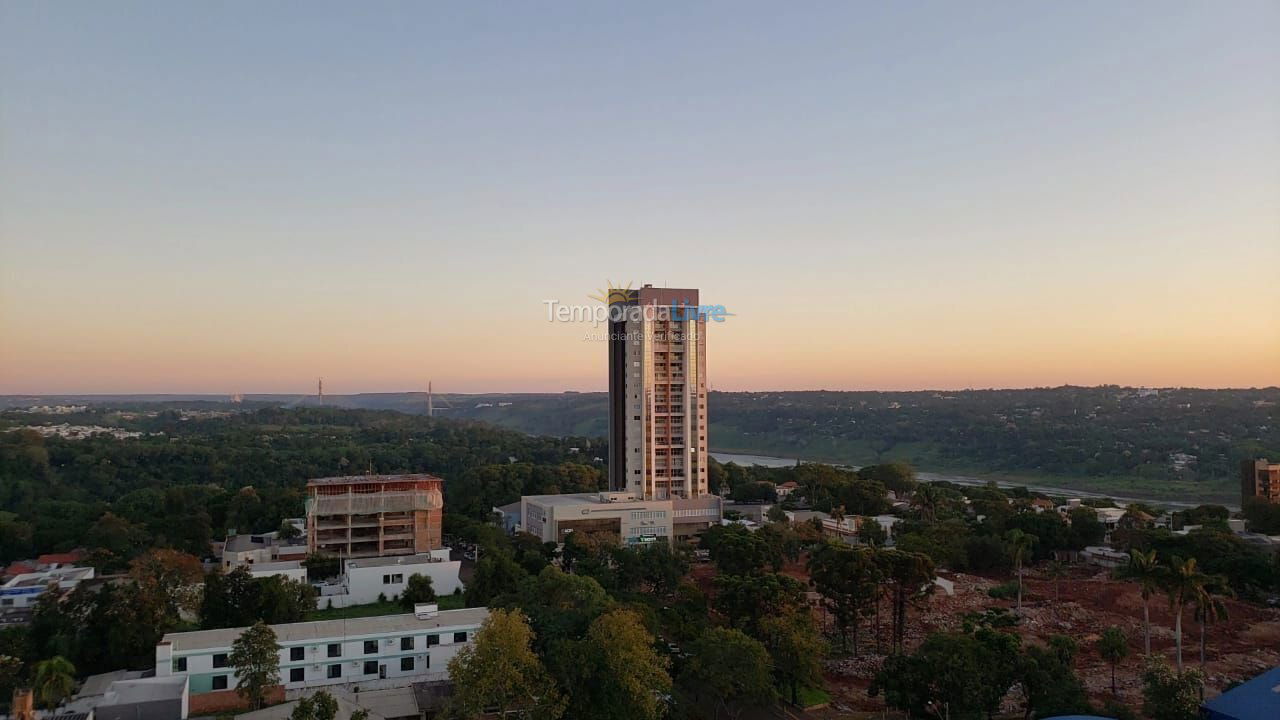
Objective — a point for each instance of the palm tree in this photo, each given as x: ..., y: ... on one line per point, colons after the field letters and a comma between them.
x: 55, y: 679
x: 1146, y: 573
x: 1019, y: 543
x: 927, y: 497
x: 1113, y: 646
x: 1182, y: 583
x: 1057, y: 570
x: 1209, y: 607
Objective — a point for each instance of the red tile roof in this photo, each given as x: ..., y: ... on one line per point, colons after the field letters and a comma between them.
x: 18, y: 568
x: 69, y: 558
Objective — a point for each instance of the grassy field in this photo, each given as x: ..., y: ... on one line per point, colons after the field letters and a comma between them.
x: 446, y: 602
x: 811, y: 697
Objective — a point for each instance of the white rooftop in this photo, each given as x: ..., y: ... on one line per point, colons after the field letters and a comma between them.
x: 294, y: 633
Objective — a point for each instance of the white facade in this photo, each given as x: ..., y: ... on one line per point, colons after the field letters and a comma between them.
x: 291, y: 570
x: 22, y: 591
x: 552, y: 517
x: 364, y: 579
x: 250, y: 550
x: 369, y: 653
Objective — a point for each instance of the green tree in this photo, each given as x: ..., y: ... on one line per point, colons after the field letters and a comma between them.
x: 871, y: 532
x: 54, y: 681
x: 729, y: 669
x: 1049, y: 685
x: 618, y: 675
x: 736, y: 550
x: 1209, y: 607
x: 11, y: 667
x: 1144, y: 571
x: 928, y: 498
x: 322, y: 566
x: 500, y: 671
x: 952, y: 674
x: 910, y: 578
x: 796, y: 648
x: 417, y: 590
x: 319, y: 705
x: 849, y: 580
x: 560, y: 606
x: 747, y: 599
x: 1057, y: 570
x: 255, y: 655
x: 1113, y: 647
x: 497, y: 573
x: 1168, y: 695
x: 1019, y: 544
x: 897, y: 476
x: 168, y: 581
x: 288, y: 531
x: 1183, y: 583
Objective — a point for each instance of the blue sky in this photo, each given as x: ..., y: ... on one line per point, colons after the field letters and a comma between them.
x: 243, y: 196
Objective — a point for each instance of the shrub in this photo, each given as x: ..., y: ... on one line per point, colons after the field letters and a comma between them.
x: 1004, y: 591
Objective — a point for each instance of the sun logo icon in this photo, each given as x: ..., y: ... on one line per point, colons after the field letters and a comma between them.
x: 613, y: 294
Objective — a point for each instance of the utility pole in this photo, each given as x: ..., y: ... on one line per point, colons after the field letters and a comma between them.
x: 431, y: 407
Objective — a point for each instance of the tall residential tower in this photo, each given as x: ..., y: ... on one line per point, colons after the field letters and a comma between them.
x: 657, y: 393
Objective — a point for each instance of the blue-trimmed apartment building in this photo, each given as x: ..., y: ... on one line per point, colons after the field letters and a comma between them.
x: 371, y: 652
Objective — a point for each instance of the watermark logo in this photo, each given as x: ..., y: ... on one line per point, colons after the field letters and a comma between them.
x: 618, y: 304
x: 613, y: 294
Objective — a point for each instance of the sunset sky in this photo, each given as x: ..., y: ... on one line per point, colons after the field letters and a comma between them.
x: 240, y: 197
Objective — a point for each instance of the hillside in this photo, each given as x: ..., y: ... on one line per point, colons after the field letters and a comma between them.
x: 1184, y: 443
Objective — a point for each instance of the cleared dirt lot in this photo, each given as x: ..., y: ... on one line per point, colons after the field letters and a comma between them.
x: 1081, y: 605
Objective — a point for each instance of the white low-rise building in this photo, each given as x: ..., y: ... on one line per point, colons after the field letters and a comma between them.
x: 290, y: 569
x: 363, y: 580
x: 632, y: 520
x: 368, y: 653
x: 22, y: 591
x: 253, y: 549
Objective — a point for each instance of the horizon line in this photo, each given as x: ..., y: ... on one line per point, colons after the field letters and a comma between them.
x: 247, y: 395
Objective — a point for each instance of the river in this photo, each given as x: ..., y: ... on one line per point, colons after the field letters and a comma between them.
x: 771, y: 461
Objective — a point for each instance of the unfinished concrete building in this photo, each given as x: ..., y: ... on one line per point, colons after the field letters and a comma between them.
x: 374, y: 515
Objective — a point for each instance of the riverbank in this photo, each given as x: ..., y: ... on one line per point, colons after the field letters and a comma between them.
x: 1125, y: 490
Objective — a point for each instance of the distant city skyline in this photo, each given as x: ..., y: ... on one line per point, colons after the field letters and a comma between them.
x: 240, y: 198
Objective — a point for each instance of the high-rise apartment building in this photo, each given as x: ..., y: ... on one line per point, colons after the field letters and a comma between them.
x: 1259, y: 478
x: 374, y: 515
x: 657, y: 393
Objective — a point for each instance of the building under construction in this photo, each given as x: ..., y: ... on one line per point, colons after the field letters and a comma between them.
x: 374, y: 515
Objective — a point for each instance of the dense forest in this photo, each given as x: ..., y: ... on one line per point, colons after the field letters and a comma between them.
x: 1171, y: 442
x: 1175, y: 442
x: 194, y: 475
x: 600, y: 630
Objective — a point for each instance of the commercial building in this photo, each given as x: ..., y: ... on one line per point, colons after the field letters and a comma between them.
x: 629, y: 518
x: 368, y: 653
x: 364, y: 579
x: 657, y: 393
x: 1259, y: 478
x: 374, y: 515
